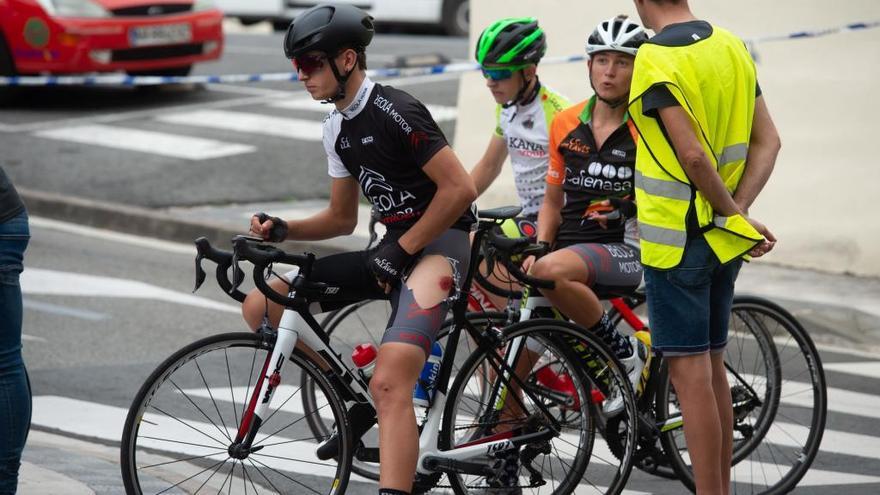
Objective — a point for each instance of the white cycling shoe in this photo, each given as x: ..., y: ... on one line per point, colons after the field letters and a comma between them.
x: 634, y: 365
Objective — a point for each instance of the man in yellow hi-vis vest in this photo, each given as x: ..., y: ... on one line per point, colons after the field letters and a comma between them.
x: 707, y: 146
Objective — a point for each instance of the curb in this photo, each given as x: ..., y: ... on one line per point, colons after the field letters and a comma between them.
x: 145, y: 222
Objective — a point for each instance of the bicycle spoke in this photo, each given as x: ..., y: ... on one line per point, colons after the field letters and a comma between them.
x: 288, y: 426
x: 209, y: 478
x: 282, y: 405
x: 186, y: 459
x: 244, y: 402
x: 191, y: 477
x: 225, y: 434
x: 211, y: 395
x: 288, y: 477
x: 247, y: 477
x: 187, y: 425
x: 231, y: 388
x: 179, y: 442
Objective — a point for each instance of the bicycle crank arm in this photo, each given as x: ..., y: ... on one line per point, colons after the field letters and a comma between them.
x: 444, y: 465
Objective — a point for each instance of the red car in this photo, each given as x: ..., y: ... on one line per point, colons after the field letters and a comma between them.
x: 155, y: 37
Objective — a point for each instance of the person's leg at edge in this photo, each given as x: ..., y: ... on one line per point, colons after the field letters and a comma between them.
x: 15, y: 395
x: 418, y: 313
x: 575, y: 299
x: 724, y: 404
x: 693, y: 381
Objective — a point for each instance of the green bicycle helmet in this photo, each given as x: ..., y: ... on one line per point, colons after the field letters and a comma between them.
x: 513, y: 41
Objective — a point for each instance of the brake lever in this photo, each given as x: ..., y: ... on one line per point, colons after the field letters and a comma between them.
x: 237, y: 273
x: 200, y: 273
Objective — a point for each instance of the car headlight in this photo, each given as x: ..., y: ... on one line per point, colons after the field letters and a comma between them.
x: 203, y: 5
x: 73, y: 8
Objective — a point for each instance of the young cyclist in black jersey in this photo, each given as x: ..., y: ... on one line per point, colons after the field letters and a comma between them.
x: 383, y: 141
x: 588, y: 210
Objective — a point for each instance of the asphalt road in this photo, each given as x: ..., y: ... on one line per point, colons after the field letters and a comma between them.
x: 185, y: 146
x: 103, y: 311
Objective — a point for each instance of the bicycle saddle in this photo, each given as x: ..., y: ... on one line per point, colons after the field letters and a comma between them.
x: 500, y: 213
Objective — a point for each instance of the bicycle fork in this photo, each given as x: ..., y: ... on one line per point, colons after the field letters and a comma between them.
x: 267, y: 383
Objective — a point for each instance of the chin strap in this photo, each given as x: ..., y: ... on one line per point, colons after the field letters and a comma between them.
x: 340, y: 91
x: 523, y: 98
x: 611, y: 103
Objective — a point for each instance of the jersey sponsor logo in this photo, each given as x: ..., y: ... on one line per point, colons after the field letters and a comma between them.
x: 386, y: 266
x: 367, y: 140
x: 355, y: 107
x: 388, y: 107
x: 383, y: 196
x: 575, y: 145
x: 521, y: 144
x: 344, y: 144
x: 588, y: 180
x: 529, y: 123
x: 417, y: 138
x: 618, y: 153
x: 372, y: 182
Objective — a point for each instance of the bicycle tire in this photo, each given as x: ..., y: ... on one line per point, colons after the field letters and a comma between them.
x: 173, y: 404
x: 550, y: 333
x: 796, y: 355
x: 371, y: 333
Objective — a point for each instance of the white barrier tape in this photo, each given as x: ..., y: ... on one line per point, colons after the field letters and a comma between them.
x: 123, y: 80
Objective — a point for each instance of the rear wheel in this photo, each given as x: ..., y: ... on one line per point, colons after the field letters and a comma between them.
x: 780, y: 401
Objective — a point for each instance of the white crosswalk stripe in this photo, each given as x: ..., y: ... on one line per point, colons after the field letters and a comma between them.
x: 159, y: 143
x: 253, y: 123
x: 869, y: 369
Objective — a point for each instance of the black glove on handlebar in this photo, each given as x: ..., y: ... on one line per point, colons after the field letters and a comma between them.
x: 390, y: 261
x: 626, y: 207
x: 278, y: 232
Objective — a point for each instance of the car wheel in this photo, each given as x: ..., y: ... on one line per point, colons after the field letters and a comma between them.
x: 7, y: 65
x: 456, y: 17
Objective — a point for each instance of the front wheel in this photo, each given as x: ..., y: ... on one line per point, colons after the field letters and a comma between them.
x: 181, y: 427
x: 562, y: 373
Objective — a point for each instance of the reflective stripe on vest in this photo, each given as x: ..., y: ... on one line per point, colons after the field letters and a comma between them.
x: 721, y: 109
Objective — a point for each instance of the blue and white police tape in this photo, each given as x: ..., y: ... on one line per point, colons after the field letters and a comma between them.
x: 125, y: 80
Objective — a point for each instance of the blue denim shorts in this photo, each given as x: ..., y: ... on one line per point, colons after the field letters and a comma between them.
x: 689, y: 306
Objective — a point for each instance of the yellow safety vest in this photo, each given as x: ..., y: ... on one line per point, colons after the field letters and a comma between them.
x: 714, y: 82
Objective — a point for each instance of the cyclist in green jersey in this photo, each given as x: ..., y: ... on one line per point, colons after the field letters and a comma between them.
x: 509, y: 51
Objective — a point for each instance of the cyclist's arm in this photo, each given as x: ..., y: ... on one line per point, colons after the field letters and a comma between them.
x: 695, y: 162
x: 339, y: 218
x: 455, y: 193
x: 764, y: 145
x: 487, y: 169
x: 549, y: 216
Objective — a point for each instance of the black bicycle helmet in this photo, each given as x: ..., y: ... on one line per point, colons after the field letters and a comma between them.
x: 327, y: 28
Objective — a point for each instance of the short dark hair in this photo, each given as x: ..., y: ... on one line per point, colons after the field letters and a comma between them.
x: 361, y: 55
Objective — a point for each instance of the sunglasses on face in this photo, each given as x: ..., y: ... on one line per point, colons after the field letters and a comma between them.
x: 500, y: 73
x: 308, y: 64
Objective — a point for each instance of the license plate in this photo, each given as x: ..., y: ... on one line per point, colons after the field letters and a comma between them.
x: 167, y: 34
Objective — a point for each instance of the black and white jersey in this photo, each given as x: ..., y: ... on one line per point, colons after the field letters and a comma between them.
x: 384, y: 138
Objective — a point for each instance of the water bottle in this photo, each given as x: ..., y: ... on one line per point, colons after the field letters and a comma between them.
x: 364, y: 357
x: 423, y: 392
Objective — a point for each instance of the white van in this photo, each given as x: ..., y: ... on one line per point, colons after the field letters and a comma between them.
x: 451, y: 15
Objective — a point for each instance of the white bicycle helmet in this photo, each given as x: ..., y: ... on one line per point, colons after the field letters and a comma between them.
x: 617, y: 34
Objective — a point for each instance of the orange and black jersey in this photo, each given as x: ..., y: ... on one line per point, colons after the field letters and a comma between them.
x: 589, y: 174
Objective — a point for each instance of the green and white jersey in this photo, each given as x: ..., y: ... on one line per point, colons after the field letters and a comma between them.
x: 526, y: 131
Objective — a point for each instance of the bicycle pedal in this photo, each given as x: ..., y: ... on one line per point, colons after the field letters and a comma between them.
x: 367, y: 454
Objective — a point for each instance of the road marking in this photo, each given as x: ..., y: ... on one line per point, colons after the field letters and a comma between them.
x: 441, y: 113
x: 157, y: 143
x: 870, y: 369
x: 109, y: 235
x: 58, y: 283
x: 843, y: 401
x: 106, y: 423
x: 814, y: 477
x: 57, y: 309
x: 307, y: 130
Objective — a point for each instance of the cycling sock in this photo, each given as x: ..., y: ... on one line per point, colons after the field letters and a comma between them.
x: 391, y: 491
x: 618, y: 343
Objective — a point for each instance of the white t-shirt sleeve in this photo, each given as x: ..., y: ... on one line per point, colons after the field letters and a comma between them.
x: 335, y: 168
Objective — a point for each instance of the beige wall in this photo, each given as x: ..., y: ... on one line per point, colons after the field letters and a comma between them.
x: 822, y: 201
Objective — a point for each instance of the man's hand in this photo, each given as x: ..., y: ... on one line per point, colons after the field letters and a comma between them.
x: 767, y: 244
x: 612, y: 209
x: 389, y: 263
x: 272, y: 229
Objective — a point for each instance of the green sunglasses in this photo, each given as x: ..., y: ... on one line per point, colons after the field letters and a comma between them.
x: 501, y: 73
